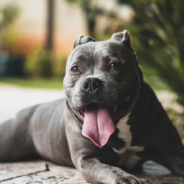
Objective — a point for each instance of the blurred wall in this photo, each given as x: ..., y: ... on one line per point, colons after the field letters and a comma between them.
x: 69, y: 24
x: 31, y: 27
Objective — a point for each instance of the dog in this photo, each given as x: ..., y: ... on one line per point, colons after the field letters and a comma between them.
x: 109, y: 124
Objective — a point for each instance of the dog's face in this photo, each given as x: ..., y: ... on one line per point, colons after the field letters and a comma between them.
x: 102, y: 80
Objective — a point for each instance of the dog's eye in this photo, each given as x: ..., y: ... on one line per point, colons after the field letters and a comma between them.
x: 113, y: 66
x: 75, y: 69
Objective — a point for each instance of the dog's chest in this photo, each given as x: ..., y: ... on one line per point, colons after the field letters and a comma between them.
x: 127, y: 154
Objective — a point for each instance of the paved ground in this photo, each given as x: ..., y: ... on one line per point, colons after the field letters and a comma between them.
x: 48, y: 173
x: 13, y: 99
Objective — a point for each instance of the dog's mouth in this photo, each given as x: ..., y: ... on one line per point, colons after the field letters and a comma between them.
x: 116, y: 111
x: 99, y: 120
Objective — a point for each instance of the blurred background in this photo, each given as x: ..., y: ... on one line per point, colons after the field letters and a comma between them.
x: 36, y: 37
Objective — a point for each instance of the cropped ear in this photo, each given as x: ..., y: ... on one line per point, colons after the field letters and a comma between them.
x: 122, y: 38
x: 82, y: 40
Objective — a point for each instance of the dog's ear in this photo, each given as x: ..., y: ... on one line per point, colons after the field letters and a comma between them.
x: 82, y: 40
x: 122, y: 38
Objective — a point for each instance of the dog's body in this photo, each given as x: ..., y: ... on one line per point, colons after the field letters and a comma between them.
x: 135, y: 130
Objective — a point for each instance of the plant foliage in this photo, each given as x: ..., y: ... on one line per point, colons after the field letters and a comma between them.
x: 157, y: 29
x: 8, y: 14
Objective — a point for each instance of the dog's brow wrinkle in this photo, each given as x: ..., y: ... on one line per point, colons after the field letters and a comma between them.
x: 81, y: 57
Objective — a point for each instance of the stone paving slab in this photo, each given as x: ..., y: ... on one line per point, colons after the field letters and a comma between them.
x: 44, y: 172
x: 38, y: 172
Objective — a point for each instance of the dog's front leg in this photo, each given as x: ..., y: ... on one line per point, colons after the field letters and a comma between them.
x: 94, y: 171
x: 85, y: 156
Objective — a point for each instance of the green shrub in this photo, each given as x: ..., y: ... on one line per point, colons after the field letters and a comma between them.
x: 39, y: 63
x: 8, y: 16
x: 59, y: 66
x: 43, y: 63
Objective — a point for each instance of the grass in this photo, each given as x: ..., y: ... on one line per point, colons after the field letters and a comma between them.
x: 42, y: 83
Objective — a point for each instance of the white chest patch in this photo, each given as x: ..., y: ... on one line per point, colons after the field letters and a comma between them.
x: 128, y: 157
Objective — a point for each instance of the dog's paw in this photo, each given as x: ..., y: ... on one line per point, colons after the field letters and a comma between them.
x: 128, y: 180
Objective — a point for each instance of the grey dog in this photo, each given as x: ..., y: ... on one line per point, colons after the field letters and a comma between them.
x: 109, y: 123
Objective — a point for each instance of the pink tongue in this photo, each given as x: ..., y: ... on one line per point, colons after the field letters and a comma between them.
x: 98, y: 125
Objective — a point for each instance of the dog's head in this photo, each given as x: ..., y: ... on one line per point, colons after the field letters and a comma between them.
x: 102, y: 83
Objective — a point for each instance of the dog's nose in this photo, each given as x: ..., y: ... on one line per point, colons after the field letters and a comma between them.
x: 91, y: 85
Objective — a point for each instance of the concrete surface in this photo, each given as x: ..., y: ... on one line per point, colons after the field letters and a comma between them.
x: 48, y: 173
